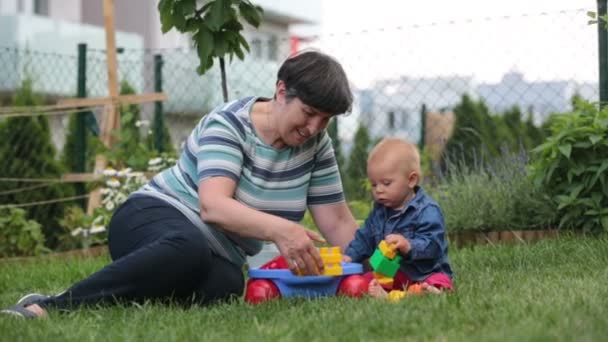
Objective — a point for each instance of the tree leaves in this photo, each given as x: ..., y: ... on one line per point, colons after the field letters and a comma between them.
x: 215, y: 26
x: 572, y: 166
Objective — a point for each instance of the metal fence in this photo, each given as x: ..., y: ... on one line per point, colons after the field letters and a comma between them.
x: 537, y: 62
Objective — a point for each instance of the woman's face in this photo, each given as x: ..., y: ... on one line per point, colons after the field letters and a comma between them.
x: 297, y: 121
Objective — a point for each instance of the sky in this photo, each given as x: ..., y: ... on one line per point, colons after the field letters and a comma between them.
x: 482, y: 39
x: 545, y: 40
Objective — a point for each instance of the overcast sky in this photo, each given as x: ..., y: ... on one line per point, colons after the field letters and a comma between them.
x: 543, y: 39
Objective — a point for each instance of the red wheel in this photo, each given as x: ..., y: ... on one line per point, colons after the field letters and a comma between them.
x: 353, y: 286
x: 276, y: 263
x: 260, y: 290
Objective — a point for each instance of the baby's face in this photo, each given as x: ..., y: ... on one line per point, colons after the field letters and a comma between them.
x: 390, y: 183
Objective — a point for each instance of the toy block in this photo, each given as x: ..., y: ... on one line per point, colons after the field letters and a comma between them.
x: 332, y: 259
x: 385, y: 282
x: 396, y: 295
x: 387, y: 250
x: 332, y: 270
x: 330, y: 255
x: 382, y: 264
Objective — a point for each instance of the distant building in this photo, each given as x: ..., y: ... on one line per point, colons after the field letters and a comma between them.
x: 58, y: 26
x: 52, y: 29
x: 393, y: 107
x: 539, y: 97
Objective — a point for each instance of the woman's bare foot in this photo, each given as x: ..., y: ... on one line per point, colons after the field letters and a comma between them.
x: 375, y: 289
x: 430, y: 289
x: 36, y: 309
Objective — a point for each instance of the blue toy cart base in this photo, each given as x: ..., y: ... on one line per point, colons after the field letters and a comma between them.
x: 291, y: 285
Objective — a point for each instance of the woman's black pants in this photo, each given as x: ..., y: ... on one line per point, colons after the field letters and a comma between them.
x: 157, y: 253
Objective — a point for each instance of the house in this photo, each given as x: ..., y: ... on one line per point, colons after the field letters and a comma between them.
x: 51, y: 29
x: 392, y: 107
x: 539, y: 97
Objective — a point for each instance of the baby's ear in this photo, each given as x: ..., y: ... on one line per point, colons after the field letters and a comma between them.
x: 413, y: 179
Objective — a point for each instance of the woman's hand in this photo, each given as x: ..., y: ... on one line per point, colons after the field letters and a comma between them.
x: 296, y: 244
x: 399, y: 242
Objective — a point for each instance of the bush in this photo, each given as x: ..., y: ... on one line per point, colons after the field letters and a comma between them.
x: 27, y: 151
x: 571, y: 166
x: 494, y: 196
x: 18, y: 235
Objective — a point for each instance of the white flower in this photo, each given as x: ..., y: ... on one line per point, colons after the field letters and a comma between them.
x: 124, y: 172
x: 110, y: 206
x: 155, y: 161
x: 113, y: 183
x: 109, y: 172
x: 140, y: 123
x: 120, y: 198
x: 105, y: 191
x: 97, y: 220
x: 77, y: 231
x: 97, y: 229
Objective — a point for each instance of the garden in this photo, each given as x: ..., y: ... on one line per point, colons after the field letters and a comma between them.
x: 525, y: 205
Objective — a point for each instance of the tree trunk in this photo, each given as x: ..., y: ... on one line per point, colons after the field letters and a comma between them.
x: 223, y: 74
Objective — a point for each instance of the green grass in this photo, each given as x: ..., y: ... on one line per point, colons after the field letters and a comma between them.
x: 552, y: 290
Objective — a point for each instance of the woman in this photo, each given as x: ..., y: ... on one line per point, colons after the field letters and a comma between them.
x: 248, y: 172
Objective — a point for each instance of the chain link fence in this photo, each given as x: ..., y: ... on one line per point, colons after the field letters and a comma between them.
x: 407, y: 80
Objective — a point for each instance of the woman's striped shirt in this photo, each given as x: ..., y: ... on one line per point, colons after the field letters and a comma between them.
x: 279, y: 182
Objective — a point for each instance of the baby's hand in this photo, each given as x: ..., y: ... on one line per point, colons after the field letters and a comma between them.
x: 346, y: 258
x: 399, y: 242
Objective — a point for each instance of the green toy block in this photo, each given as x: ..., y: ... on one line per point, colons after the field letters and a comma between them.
x: 384, y: 265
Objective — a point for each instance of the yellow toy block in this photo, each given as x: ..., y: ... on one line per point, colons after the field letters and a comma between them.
x: 332, y: 260
x: 383, y: 280
x: 387, y: 250
x: 331, y: 255
x: 333, y: 270
x: 396, y: 295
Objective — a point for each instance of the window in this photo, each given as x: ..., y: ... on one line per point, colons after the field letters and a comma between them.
x: 264, y: 46
x: 41, y: 7
x: 256, y: 48
x: 273, y: 48
x: 391, y: 120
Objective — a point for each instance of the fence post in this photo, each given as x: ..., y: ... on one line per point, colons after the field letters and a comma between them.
x: 81, y: 132
x: 603, y: 52
x: 158, y: 105
x: 422, y: 127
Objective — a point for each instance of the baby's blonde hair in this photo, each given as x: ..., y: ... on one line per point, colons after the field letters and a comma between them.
x: 399, y: 151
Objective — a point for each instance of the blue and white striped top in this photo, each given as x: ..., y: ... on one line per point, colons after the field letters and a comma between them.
x: 279, y: 182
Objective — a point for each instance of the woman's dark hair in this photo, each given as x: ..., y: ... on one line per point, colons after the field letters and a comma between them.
x: 318, y: 80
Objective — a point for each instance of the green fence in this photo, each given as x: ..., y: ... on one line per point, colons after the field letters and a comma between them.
x: 408, y: 81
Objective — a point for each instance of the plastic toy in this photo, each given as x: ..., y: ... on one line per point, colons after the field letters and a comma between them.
x: 414, y: 289
x: 354, y: 285
x: 383, y: 264
x: 290, y: 285
x: 396, y: 295
x: 260, y: 290
x: 332, y: 259
x: 385, y: 282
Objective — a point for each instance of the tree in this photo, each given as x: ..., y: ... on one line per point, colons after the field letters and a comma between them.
x: 356, y: 171
x: 27, y: 152
x: 332, y: 130
x: 214, y: 26
x: 472, y: 133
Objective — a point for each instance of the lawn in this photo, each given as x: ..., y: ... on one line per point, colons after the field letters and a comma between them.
x: 551, y: 290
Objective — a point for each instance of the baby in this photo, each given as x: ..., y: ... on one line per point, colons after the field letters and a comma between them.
x: 406, y: 218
